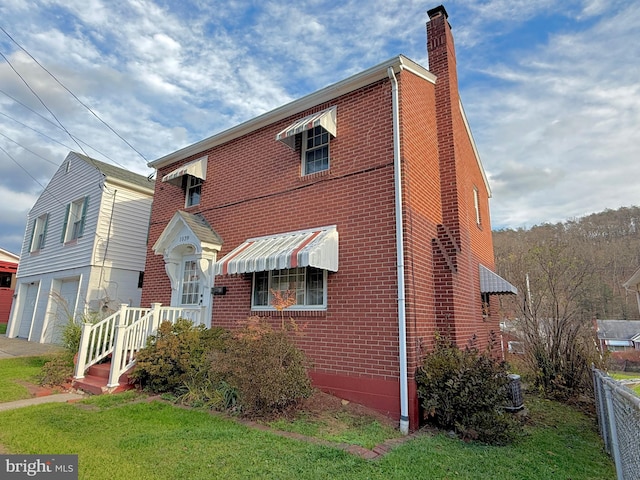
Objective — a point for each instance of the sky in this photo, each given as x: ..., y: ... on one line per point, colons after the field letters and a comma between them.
x: 551, y: 89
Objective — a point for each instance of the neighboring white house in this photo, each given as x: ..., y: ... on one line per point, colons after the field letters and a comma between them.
x: 84, y: 247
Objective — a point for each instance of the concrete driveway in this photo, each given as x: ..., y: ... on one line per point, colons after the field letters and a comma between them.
x: 19, y: 347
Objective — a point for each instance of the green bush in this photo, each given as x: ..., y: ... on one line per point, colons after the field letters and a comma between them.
x: 263, y: 369
x: 56, y: 371
x: 465, y: 390
x: 175, y: 358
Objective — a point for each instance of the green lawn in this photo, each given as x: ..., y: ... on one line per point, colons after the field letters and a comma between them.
x: 3, y: 328
x: 627, y: 376
x: 121, y: 437
x: 15, y: 370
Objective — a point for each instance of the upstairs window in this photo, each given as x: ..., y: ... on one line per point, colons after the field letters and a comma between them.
x: 39, y: 233
x: 191, y: 177
x: 193, y: 188
x: 315, y: 132
x: 315, y: 151
x: 476, y: 206
x: 74, y: 220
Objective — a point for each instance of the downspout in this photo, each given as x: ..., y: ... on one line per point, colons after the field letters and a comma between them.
x: 402, y: 323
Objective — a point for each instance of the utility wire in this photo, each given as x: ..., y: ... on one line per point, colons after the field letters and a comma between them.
x: 56, y: 126
x: 41, y: 101
x: 38, y: 132
x: 30, y: 151
x: 44, y: 189
x: 73, y: 95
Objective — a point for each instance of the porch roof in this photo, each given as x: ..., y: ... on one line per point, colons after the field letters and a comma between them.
x: 317, y: 247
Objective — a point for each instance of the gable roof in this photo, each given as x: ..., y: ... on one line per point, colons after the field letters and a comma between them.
x: 618, y: 329
x: 295, y: 107
x: 7, y: 256
x: 120, y: 175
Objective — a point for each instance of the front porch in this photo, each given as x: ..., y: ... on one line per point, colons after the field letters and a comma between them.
x: 108, y: 348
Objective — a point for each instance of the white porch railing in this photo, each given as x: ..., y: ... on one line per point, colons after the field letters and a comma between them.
x: 123, y: 334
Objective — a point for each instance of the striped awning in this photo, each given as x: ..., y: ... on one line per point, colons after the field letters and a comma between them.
x: 197, y: 168
x: 492, y: 283
x: 306, y: 248
x: 325, y: 119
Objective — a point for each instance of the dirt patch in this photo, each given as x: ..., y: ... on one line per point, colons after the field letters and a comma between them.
x: 324, y: 405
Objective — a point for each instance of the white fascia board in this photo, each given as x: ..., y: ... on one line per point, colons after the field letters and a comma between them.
x: 362, y: 79
x: 475, y: 150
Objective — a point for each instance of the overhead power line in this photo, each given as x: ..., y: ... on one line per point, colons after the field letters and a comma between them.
x: 73, y: 95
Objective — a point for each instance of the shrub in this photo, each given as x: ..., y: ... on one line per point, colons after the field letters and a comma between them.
x: 263, y: 368
x: 464, y: 390
x: 175, y: 358
x: 56, y: 371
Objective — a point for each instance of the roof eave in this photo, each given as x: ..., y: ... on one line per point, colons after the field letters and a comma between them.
x: 328, y: 93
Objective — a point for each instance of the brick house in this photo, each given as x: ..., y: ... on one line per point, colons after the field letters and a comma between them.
x: 367, y: 197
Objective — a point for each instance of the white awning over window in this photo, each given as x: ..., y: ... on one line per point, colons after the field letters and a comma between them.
x: 307, y: 248
x: 325, y: 119
x: 492, y: 283
x: 197, y: 168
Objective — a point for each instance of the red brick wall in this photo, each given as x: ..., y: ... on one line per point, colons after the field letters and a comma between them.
x: 254, y: 188
x: 458, y: 301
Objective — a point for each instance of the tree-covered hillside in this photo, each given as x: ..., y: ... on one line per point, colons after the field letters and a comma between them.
x: 579, y: 264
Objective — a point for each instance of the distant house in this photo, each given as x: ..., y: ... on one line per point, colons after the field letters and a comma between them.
x: 618, y: 335
x: 83, y: 249
x: 367, y: 198
x: 8, y: 268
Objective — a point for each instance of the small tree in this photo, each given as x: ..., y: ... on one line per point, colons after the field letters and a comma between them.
x: 555, y: 288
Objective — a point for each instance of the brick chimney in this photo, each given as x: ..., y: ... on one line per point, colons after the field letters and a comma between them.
x: 442, y: 63
x: 452, y: 245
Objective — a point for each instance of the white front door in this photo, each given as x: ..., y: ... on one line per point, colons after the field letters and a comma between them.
x: 191, y: 288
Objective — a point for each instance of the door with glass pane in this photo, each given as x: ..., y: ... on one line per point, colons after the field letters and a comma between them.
x: 190, y: 288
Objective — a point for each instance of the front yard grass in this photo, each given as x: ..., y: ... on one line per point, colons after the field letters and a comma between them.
x: 14, y: 372
x: 129, y: 436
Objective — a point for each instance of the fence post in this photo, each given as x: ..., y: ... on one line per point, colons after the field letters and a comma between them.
x: 615, y: 447
x: 82, y: 350
x: 154, y: 321
x: 118, y: 347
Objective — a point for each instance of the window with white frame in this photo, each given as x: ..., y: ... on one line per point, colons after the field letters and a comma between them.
x: 193, y: 188
x: 315, y: 150
x: 308, y: 284
x: 190, y: 284
x: 476, y: 205
x: 39, y: 233
x: 75, y: 219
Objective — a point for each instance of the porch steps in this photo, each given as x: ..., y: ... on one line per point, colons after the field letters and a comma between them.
x: 96, y: 379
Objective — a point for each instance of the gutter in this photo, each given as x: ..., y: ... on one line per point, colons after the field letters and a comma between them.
x: 402, y: 323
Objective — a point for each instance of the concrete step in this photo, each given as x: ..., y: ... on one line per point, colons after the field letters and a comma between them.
x: 96, y: 379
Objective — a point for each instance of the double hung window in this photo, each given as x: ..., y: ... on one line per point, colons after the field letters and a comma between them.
x: 193, y: 188
x: 74, y: 220
x: 39, y: 233
x: 307, y: 284
x: 315, y: 150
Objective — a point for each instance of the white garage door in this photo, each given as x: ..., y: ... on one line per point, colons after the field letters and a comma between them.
x: 28, y: 309
x: 66, y: 305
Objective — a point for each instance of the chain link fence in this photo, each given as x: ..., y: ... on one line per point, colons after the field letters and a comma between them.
x: 618, y: 411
